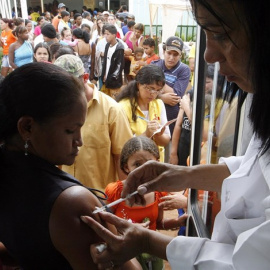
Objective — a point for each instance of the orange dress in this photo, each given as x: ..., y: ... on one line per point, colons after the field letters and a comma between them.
x: 136, y: 213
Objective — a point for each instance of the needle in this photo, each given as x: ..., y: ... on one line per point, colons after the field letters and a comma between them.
x: 100, y: 209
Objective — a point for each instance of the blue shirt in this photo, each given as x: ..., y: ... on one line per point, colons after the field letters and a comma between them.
x: 125, y: 29
x: 178, y: 79
x: 24, y: 54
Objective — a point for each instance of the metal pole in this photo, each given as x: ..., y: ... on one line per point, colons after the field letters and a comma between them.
x: 151, y: 23
x: 9, y: 10
x: 15, y: 7
x: 5, y: 11
x: 109, y: 5
x: 24, y: 9
x: 42, y: 6
x: 2, y: 9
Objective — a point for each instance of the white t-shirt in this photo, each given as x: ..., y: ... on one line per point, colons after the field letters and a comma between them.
x: 38, y: 39
x: 109, y: 57
x: 102, y: 43
x: 86, y: 21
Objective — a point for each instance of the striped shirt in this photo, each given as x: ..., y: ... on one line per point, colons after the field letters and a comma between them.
x: 178, y: 79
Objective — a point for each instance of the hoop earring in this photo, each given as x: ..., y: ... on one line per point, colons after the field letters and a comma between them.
x: 26, y: 146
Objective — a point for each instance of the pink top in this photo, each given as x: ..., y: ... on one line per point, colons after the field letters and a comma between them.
x: 129, y: 43
x: 37, y: 30
x: 71, y: 43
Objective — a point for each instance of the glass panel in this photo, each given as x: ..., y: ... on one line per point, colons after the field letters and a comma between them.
x: 225, y: 131
x: 218, y: 136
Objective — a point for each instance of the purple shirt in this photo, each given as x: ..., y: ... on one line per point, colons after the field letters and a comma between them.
x: 125, y: 29
x: 177, y: 78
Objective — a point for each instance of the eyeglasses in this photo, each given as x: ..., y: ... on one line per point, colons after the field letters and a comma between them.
x: 152, y: 91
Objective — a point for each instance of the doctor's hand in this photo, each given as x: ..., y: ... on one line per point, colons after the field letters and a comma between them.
x: 155, y: 176
x: 130, y: 241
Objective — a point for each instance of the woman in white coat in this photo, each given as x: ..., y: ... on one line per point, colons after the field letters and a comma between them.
x: 237, y: 36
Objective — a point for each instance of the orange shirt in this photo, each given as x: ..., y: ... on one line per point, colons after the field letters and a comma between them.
x: 55, y: 21
x: 149, y: 59
x: 7, y: 38
x: 135, y: 213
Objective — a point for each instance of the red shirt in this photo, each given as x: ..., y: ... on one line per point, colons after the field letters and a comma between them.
x: 135, y: 213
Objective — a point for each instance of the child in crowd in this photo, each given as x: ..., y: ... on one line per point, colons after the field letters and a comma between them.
x: 42, y: 53
x: 149, y: 49
x: 136, y: 152
x: 182, y: 132
x: 66, y: 36
x: 113, y: 62
x: 136, y: 63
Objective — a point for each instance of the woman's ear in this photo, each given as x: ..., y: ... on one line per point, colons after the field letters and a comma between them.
x: 24, y: 126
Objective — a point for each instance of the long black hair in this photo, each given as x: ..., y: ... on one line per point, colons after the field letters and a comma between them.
x: 254, y: 19
x: 80, y: 34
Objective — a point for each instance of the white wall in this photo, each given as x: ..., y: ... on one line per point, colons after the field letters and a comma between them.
x: 140, y: 8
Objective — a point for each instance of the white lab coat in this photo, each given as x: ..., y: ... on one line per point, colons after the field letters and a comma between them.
x: 241, y: 234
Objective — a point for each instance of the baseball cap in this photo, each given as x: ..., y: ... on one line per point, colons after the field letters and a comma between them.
x: 106, y: 13
x: 130, y: 16
x: 174, y: 44
x: 61, y: 5
x: 95, y: 12
x: 71, y: 63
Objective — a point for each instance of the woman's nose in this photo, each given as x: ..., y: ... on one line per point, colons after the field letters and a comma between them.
x: 212, y: 52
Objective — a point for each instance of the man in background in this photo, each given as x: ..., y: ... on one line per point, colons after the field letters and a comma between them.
x: 86, y: 19
x: 57, y: 18
x: 177, y: 76
x: 105, y: 131
x: 122, y: 12
x: 112, y: 20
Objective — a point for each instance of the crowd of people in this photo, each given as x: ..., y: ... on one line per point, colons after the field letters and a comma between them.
x: 113, y: 60
x: 89, y: 113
